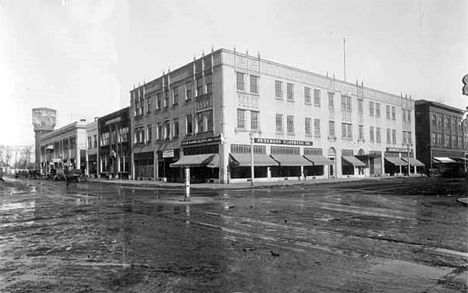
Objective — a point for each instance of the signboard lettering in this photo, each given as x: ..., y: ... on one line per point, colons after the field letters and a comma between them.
x: 283, y: 141
x: 201, y: 141
x: 168, y: 154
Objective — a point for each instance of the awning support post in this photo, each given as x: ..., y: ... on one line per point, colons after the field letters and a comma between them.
x: 187, y: 184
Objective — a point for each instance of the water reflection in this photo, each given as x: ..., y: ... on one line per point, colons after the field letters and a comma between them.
x: 30, y: 204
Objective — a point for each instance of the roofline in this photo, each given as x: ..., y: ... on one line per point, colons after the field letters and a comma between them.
x: 277, y: 64
x: 437, y: 104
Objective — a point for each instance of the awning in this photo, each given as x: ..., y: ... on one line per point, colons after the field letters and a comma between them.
x: 50, y: 147
x: 353, y: 161
x: 414, y: 162
x: 206, y: 160
x: 291, y: 160
x: 396, y: 161
x: 260, y: 160
x: 318, y: 160
x: 443, y: 160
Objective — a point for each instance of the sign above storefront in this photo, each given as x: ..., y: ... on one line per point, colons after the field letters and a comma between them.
x: 168, y: 153
x: 398, y: 150
x: 201, y: 141
x: 283, y: 141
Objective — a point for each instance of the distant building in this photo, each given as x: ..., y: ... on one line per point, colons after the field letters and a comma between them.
x: 440, y: 135
x: 64, y: 147
x: 205, y: 114
x: 92, y: 154
x: 114, y: 144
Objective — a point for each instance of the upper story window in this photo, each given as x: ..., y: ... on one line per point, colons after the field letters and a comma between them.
x: 447, y: 122
x: 89, y: 142
x: 393, y: 113
x: 346, y: 131
x: 254, y: 120
x: 371, y: 133
x: 403, y: 115
x: 199, y: 87
x: 308, y: 126
x: 371, y: 109
x: 279, y: 123
x: 95, y: 141
x: 361, y: 132
x: 254, y: 84
x: 387, y: 111
x: 377, y: 134
x: 317, y: 97
x: 166, y: 99
x: 434, y: 120
x: 158, y: 101
x: 290, y: 124
x: 175, y: 95
x: 241, y: 119
x: 346, y: 103
x: 290, y: 91
x: 176, y: 127
x: 377, y: 110
x: 240, y: 81
x: 279, y: 89
x: 188, y: 90
x: 189, y: 124
x: 331, y: 100
x: 316, y: 127
x: 149, y: 135
x: 167, y: 129
x: 307, y: 97
x: 209, y: 88
x: 360, y: 106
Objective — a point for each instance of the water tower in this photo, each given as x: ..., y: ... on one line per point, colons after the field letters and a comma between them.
x: 44, y: 120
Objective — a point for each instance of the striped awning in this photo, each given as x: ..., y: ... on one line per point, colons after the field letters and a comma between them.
x: 291, y: 160
x: 205, y: 160
x: 353, y: 161
x: 443, y: 160
x: 397, y: 161
x: 260, y: 160
x: 414, y: 162
x: 318, y: 160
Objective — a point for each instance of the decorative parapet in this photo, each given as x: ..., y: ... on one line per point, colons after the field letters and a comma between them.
x: 204, y: 102
x: 246, y: 100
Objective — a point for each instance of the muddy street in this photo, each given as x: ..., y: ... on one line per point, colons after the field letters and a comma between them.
x: 389, y: 235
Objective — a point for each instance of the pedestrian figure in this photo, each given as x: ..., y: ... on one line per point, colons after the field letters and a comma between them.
x: 305, y: 174
x: 1, y: 175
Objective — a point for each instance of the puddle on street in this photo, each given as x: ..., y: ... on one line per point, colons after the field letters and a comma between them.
x: 30, y: 204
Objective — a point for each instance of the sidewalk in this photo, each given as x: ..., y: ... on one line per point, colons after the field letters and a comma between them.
x: 244, y: 185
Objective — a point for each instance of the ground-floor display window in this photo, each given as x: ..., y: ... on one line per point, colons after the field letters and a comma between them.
x: 347, y: 169
x: 286, y: 171
x: 245, y: 172
x: 313, y: 170
x: 203, y: 174
x: 144, y: 165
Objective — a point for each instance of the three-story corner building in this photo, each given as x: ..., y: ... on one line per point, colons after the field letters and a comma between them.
x: 208, y: 114
x: 64, y: 147
x: 441, y: 135
x: 114, y: 146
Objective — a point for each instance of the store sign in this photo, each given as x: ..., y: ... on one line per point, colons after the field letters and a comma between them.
x: 201, y: 141
x: 168, y: 153
x: 398, y: 150
x: 283, y: 141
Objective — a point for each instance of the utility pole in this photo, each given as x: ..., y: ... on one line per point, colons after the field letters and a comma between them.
x: 344, y: 57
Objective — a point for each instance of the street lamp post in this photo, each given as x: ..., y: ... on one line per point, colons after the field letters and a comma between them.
x: 408, y: 145
x: 252, y: 175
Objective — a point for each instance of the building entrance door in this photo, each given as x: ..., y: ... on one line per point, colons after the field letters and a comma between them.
x: 331, y: 166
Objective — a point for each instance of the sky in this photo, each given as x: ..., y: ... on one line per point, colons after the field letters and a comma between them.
x: 82, y: 57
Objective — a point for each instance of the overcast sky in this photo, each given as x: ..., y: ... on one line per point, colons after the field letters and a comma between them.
x: 81, y: 57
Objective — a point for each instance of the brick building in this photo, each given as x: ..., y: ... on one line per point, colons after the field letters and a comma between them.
x: 441, y: 137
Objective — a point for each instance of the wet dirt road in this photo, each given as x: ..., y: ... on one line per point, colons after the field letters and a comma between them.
x: 393, y: 235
